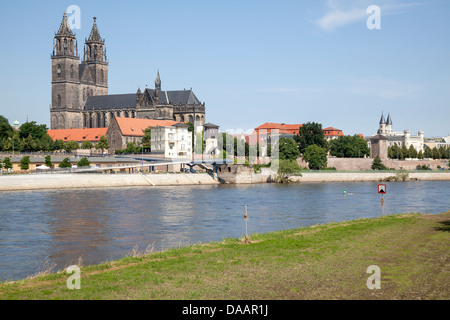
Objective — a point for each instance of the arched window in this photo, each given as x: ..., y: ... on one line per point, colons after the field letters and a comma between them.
x: 61, y: 122
x: 197, y: 118
x: 191, y: 119
x: 102, y: 76
x: 182, y: 118
x: 59, y: 101
x: 72, y: 73
x: 58, y: 71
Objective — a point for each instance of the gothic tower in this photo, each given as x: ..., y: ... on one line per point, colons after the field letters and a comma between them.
x: 94, y: 68
x: 66, y: 103
x: 382, y: 129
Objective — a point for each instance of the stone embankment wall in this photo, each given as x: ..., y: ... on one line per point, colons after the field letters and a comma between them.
x: 68, y: 181
x: 355, y: 164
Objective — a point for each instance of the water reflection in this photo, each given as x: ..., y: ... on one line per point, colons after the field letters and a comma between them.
x: 104, y: 224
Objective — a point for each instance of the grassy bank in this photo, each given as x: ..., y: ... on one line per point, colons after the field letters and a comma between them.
x: 320, y: 262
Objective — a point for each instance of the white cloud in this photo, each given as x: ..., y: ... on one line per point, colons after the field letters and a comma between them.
x: 339, y: 18
x: 341, y: 13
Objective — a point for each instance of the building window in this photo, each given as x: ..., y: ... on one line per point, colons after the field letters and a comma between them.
x: 59, y: 101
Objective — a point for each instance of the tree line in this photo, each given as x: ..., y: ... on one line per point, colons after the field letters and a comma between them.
x: 401, y: 153
x: 33, y: 137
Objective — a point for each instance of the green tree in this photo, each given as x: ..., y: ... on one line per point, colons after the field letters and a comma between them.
x: 147, y: 138
x: 25, y: 163
x: 288, y: 149
x: 84, y: 162
x: 310, y: 133
x: 405, y: 152
x: 377, y: 164
x: 286, y: 168
x: 87, y: 145
x: 65, y: 163
x: 7, y: 163
x: 412, y: 152
x: 58, y: 145
x: 102, y: 144
x: 48, y: 161
x: 13, y: 143
x: 427, y: 153
x: 36, y: 131
x: 435, y: 153
x: 71, y: 145
x: 390, y: 152
x: 45, y: 143
x: 28, y: 144
x: 420, y: 155
x: 349, y: 147
x: 315, y: 156
x: 444, y: 152
x: 131, y: 148
x: 5, y: 128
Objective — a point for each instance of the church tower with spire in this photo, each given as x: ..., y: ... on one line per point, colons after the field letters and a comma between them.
x: 94, y: 67
x: 66, y: 101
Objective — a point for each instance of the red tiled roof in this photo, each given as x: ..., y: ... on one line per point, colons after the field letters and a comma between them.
x: 136, y: 127
x: 279, y: 126
x: 79, y: 135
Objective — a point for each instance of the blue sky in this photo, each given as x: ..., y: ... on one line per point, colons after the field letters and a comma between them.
x: 250, y: 61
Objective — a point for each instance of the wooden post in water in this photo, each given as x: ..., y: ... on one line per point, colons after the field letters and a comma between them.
x: 246, y: 218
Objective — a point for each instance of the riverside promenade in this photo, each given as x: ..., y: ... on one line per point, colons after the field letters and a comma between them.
x: 81, y: 180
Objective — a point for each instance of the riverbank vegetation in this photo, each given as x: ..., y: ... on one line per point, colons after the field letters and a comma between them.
x: 318, y: 262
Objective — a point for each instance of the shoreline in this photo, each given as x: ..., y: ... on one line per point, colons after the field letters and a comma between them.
x: 80, y: 180
x: 306, y: 247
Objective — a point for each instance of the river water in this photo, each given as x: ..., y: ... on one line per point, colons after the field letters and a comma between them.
x: 46, y: 228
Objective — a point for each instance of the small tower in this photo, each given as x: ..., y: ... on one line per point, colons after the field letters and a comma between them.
x: 382, y: 129
x: 389, y: 124
x: 158, y: 82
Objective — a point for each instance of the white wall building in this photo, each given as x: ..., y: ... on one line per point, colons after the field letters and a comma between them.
x: 399, y: 138
x: 173, y: 141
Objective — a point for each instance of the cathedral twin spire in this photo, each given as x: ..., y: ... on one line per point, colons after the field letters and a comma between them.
x: 65, y: 43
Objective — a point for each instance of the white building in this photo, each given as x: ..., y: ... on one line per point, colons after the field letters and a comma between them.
x: 173, y: 141
x: 399, y: 138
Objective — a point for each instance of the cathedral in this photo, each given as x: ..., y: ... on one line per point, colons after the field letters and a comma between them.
x: 80, y: 90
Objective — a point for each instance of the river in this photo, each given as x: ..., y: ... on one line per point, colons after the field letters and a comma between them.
x: 46, y: 228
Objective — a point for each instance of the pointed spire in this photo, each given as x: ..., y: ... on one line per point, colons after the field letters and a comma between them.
x: 389, y: 120
x: 158, y: 81
x: 382, y: 120
x: 64, y: 29
x: 95, y: 34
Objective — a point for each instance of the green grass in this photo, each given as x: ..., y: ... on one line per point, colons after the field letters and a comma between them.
x: 319, y: 262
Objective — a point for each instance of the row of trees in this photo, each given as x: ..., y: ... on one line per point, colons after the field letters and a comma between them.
x: 25, y: 163
x: 397, y: 152
x: 33, y: 137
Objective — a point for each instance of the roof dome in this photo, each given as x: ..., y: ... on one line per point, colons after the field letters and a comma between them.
x: 16, y: 123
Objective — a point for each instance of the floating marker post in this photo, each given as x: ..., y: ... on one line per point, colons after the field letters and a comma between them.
x: 345, y: 192
x: 246, y: 218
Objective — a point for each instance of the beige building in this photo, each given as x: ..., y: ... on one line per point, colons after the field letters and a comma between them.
x: 399, y: 138
x: 173, y: 141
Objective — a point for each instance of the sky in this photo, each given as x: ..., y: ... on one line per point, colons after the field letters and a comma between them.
x: 250, y: 61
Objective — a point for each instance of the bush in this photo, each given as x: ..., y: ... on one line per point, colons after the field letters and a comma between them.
x: 25, y: 163
x: 315, y: 156
x: 377, y: 164
x: 65, y: 163
x: 84, y: 162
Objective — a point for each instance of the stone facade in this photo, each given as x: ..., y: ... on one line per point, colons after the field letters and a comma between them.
x: 399, y: 138
x: 80, y: 90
